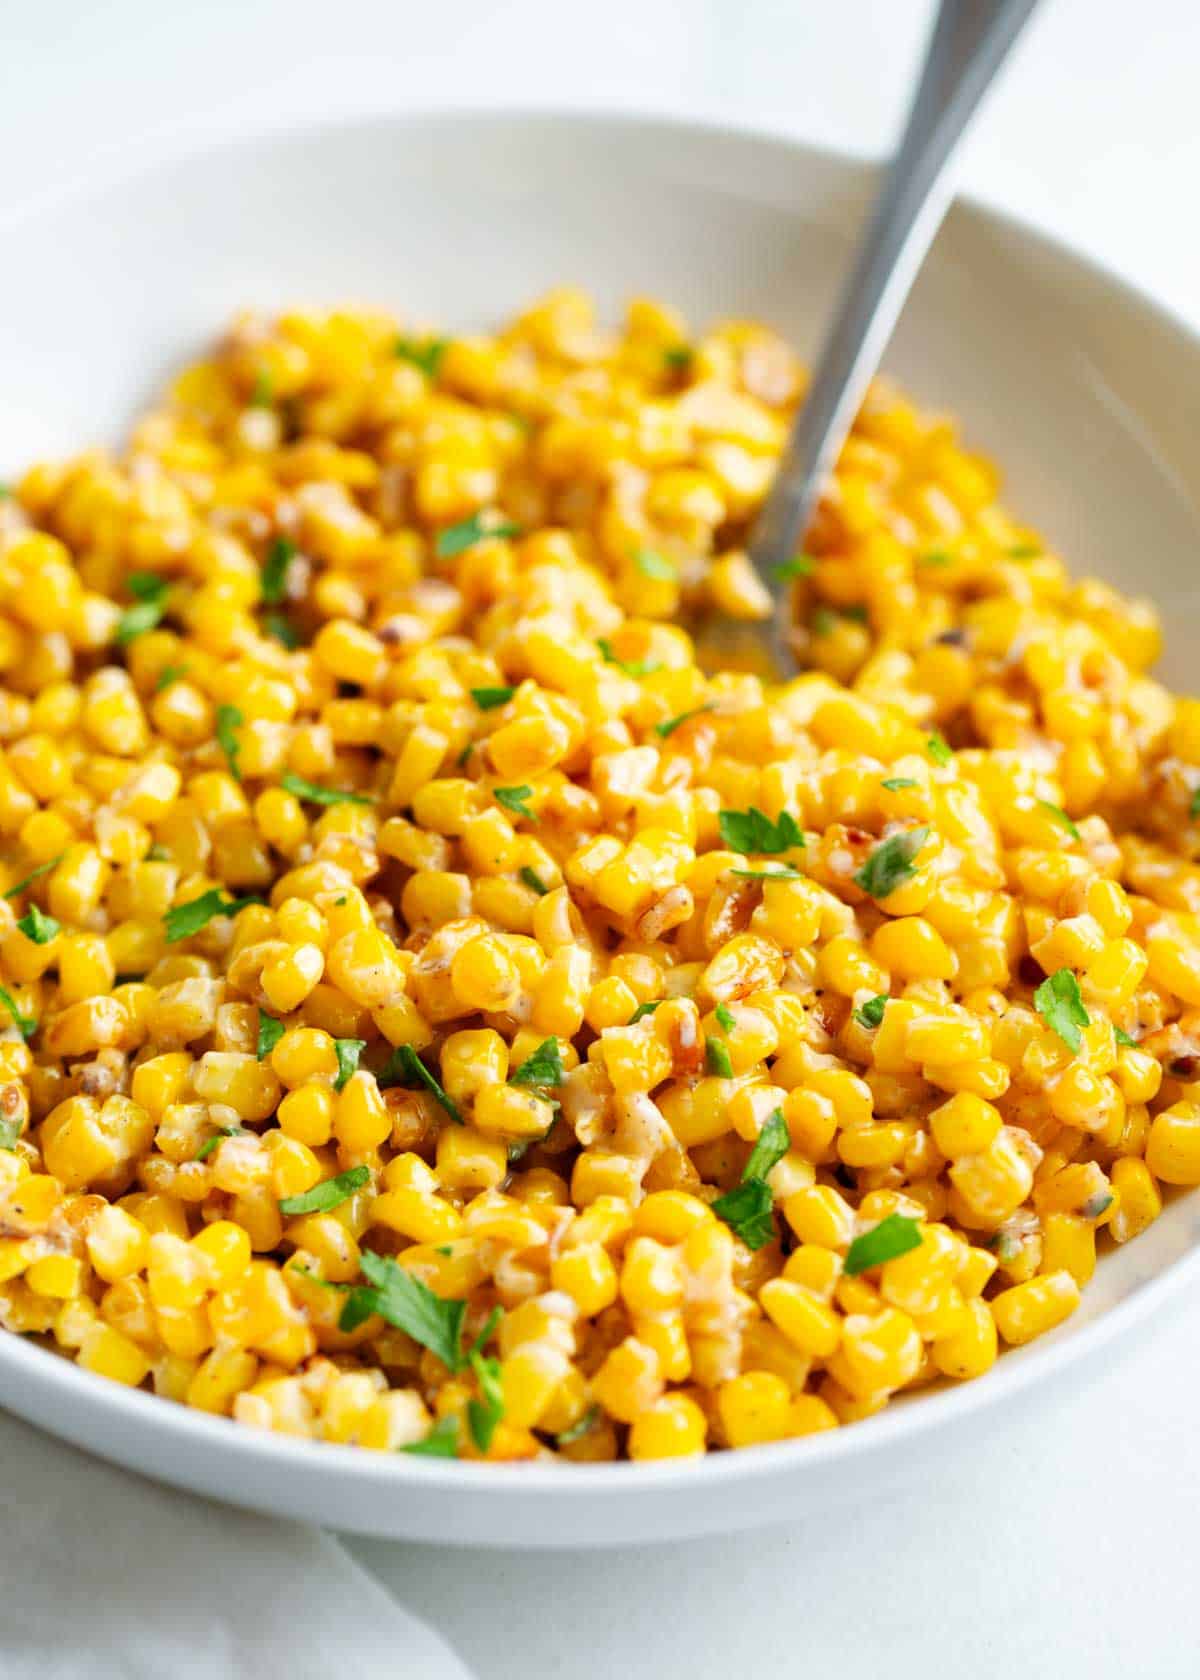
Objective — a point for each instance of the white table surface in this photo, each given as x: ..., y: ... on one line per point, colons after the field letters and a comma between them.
x: 1066, y: 1546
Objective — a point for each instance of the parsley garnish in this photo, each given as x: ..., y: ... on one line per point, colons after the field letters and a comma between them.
x: 403, y: 1300
x: 799, y: 566
x: 1024, y: 551
x: 168, y: 675
x: 408, y: 1068
x: 747, y: 1210
x: 1194, y: 807
x: 229, y: 718
x: 427, y: 355
x: 262, y: 394
x: 938, y: 749
x: 936, y: 557
x: 781, y: 872
x: 725, y: 1017
x: 753, y: 831
x: 35, y: 875
x: 513, y: 799
x: 631, y: 667
x: 485, y: 1413
x: 488, y: 698
x: 543, y: 1067
x: 275, y: 569
x: 10, y: 1131
x: 317, y: 795
x: 158, y: 854
x: 1059, y: 1002
x: 219, y: 1136
x: 151, y: 592
x: 441, y: 1441
x: 894, y: 783
x: 871, y: 1013
x: 717, y: 1055
x: 533, y: 880
x: 1122, y: 1037
x: 270, y: 1031
x: 38, y: 926
x: 25, y: 1024
x: 644, y: 1009
x: 679, y: 357
x: 579, y: 1429
x: 183, y: 920
x: 348, y: 1052
x: 892, y: 1237
x: 654, y: 565
x: 1058, y: 815
x: 672, y: 724
x: 890, y: 865
x: 457, y: 539
x: 282, y: 629
x: 330, y: 1194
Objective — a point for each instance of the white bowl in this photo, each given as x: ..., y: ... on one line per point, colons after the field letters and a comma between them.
x: 1087, y: 394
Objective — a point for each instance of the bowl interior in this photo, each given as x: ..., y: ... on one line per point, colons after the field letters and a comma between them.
x: 1087, y: 396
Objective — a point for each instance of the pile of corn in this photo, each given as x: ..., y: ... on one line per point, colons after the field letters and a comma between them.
x: 438, y: 1016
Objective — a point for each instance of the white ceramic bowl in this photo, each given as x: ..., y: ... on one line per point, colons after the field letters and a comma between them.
x: 1087, y: 394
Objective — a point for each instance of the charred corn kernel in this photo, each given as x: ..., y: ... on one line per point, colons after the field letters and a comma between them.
x: 672, y: 1427
x: 1030, y: 1309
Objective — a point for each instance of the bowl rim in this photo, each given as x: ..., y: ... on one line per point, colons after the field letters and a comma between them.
x: 41, y: 1372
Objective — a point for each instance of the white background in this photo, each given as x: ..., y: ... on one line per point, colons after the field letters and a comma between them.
x: 1067, y: 1544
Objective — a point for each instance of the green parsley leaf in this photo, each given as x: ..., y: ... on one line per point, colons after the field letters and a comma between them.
x: 329, y: 1194
x: 441, y: 1441
x: 457, y: 539
x: 543, y: 1067
x: 151, y: 592
x: 513, y: 799
x: 485, y: 1413
x: 936, y: 557
x: 270, y: 1031
x: 275, y: 569
x: 38, y: 926
x: 408, y: 1069
x: 427, y: 354
x: 1060, y: 1004
x: 170, y: 674
x: 317, y: 795
x: 25, y: 1024
x: 747, y: 1210
x: 183, y: 920
x: 780, y: 872
x: 35, y: 875
x: 1024, y: 551
x: 679, y: 357
x: 5, y: 492
x: 230, y: 718
x: 717, y: 1056
x: 281, y: 628
x: 348, y: 1052
x: 771, y: 1145
x: 10, y: 1131
x: 654, y: 565
x: 890, y: 865
x: 262, y: 394
x: 725, y: 1017
x: 824, y: 622
x: 895, y: 783
x: 871, y: 1013
x: 158, y: 854
x: 1123, y: 1038
x: 1058, y: 815
x: 753, y: 831
x: 672, y: 724
x: 938, y: 750
x: 799, y: 566
x: 892, y: 1237
x: 644, y: 1009
x: 578, y: 1430
x: 403, y: 1300
x: 488, y: 698
x: 631, y: 667
x: 533, y: 880
x: 1096, y: 1204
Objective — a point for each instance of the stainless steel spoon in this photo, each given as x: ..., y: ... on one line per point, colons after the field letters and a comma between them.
x: 969, y: 42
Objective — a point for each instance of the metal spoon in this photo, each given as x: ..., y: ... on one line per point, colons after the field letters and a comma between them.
x: 969, y: 42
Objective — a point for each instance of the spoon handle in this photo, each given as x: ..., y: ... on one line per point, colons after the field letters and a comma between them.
x: 969, y: 42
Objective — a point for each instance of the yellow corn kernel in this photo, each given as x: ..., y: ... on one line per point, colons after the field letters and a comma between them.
x: 1030, y: 1309
x: 672, y: 1427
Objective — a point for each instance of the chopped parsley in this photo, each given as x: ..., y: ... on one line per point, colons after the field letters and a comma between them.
x: 10, y: 1131
x: 893, y: 1236
x: 34, y: 875
x: 938, y: 750
x: 426, y: 354
x: 151, y: 593
x: 39, y: 927
x: 1060, y: 1004
x: 631, y: 667
x: 1024, y: 551
x: 270, y: 1031
x: 747, y: 1209
x: 487, y: 699
x: 403, y: 1300
x: 1123, y: 1038
x: 302, y: 788
x: 936, y: 557
x: 894, y: 783
x: 583, y: 1426
x: 644, y: 1009
x: 441, y: 1441
x: 654, y: 565
x: 262, y: 394
x: 679, y: 357
x: 485, y: 1413
x: 329, y: 1194
x: 1096, y: 1204
x: 780, y: 872
x: 718, y: 1058
x: 890, y: 865
x: 1194, y: 807
x: 672, y: 724
x: 25, y: 1024
x: 799, y: 566
x: 230, y: 718
x: 534, y: 881
x: 158, y: 854
x: 543, y: 1067
x: 168, y: 675
x: 871, y: 1013
x: 457, y: 539
x: 513, y: 799
x: 725, y: 1017
x: 183, y: 920
x: 348, y: 1052
x: 1058, y: 815
x: 407, y: 1068
x: 753, y: 831
x: 281, y: 628
x: 273, y: 583
x: 218, y: 1137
